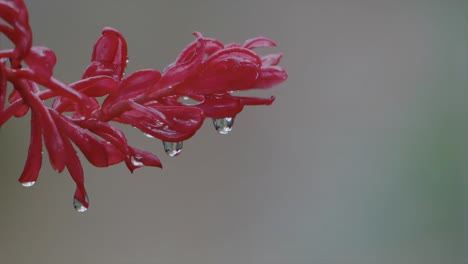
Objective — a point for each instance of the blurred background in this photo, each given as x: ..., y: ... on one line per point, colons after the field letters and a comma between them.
x: 363, y: 158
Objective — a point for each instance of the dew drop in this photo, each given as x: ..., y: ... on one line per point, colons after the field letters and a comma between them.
x: 28, y: 184
x: 148, y: 135
x: 223, y: 125
x: 79, y: 207
x: 185, y: 100
x: 136, y: 163
x: 173, y: 149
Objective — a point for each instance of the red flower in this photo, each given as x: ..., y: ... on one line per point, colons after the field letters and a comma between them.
x: 206, y: 72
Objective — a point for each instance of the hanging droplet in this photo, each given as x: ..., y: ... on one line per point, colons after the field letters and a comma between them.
x: 28, y: 184
x: 223, y: 125
x: 148, y: 135
x: 173, y: 149
x: 79, y: 207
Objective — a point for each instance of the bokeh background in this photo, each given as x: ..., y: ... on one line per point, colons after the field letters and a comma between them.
x: 363, y: 158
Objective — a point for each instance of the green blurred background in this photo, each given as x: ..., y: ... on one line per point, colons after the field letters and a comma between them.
x: 363, y: 158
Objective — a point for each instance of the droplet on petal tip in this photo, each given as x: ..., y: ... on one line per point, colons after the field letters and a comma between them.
x: 136, y: 163
x: 223, y: 125
x: 173, y: 149
x: 28, y: 184
x: 79, y: 207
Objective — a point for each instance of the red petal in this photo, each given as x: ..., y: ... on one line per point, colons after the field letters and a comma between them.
x: 259, y: 42
x: 34, y: 160
x: 41, y: 60
x: 96, y: 86
x: 271, y: 76
x: 227, y: 72
x: 168, y: 123
x: 240, y: 54
x: 141, y: 158
x: 3, y: 85
x: 109, y: 55
x: 271, y: 59
x: 185, y: 65
x: 92, y: 148
x: 221, y: 106
x: 212, y: 46
x: 54, y: 142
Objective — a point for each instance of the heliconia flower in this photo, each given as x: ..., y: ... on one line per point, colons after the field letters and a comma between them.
x: 157, y: 103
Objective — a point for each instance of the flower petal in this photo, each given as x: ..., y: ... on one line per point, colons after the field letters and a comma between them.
x: 92, y: 148
x: 109, y: 55
x: 185, y: 66
x: 168, y: 123
x: 259, y: 42
x: 272, y: 59
x: 270, y: 76
x: 41, y: 60
x: 34, y: 160
x: 221, y: 106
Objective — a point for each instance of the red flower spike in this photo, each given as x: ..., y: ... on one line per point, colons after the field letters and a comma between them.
x: 206, y: 71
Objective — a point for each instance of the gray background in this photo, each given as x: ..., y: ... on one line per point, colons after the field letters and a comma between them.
x: 362, y: 159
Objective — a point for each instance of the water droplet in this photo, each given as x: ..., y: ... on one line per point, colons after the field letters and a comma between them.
x: 79, y: 207
x: 136, y: 163
x: 223, y: 125
x: 148, y: 135
x: 185, y: 100
x: 28, y: 184
x: 173, y: 149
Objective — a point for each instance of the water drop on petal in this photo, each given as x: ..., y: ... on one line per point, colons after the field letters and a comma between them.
x: 148, y: 135
x: 223, y: 125
x: 173, y: 149
x: 28, y: 184
x: 185, y: 100
x: 136, y: 163
x: 79, y: 207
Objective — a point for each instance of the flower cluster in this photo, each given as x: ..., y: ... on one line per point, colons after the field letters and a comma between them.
x: 170, y: 105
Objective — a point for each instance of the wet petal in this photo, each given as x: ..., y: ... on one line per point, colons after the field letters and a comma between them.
x: 92, y: 148
x: 168, y: 123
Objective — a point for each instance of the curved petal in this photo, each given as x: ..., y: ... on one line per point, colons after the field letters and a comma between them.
x: 259, y: 42
x: 272, y: 59
x: 109, y: 55
x: 34, y: 160
x: 168, y: 123
x: 41, y: 60
x: 271, y: 76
